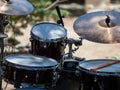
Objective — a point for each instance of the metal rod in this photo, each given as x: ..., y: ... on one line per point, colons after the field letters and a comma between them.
x: 2, y: 20
x: 59, y: 14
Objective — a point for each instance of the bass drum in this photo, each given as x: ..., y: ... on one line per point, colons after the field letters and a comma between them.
x: 48, y: 39
x: 104, y: 78
x: 26, y: 68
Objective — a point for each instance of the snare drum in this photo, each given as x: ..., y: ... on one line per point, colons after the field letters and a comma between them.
x: 48, y: 39
x: 27, y: 68
x: 104, y: 78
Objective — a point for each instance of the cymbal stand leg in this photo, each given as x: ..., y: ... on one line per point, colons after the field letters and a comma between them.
x: 2, y: 20
x: 1, y: 58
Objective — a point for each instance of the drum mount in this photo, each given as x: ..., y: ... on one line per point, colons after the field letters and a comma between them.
x: 70, y: 63
x: 70, y: 42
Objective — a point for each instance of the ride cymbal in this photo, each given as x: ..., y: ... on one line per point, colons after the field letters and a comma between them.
x: 15, y: 7
x: 101, y: 26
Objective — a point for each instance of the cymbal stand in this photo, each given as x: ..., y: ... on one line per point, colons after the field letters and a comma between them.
x: 2, y: 20
x: 60, y: 21
x: 70, y: 63
x: 70, y: 42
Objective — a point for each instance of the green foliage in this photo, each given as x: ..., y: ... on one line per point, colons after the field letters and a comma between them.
x: 13, y: 41
x: 115, y: 1
x: 115, y: 57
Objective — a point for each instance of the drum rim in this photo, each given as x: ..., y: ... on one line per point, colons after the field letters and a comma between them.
x: 29, y: 67
x: 30, y: 89
x: 48, y: 40
x: 99, y: 73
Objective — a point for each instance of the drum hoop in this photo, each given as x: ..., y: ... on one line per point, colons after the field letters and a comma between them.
x: 5, y: 62
x: 48, y: 40
x: 30, y: 88
x: 40, y: 39
x: 29, y: 67
x: 99, y: 73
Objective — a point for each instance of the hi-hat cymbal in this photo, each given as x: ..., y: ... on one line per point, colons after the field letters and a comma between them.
x: 15, y: 7
x: 101, y: 26
x: 3, y: 35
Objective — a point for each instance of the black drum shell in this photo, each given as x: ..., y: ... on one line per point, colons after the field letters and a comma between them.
x: 96, y: 82
x: 53, y: 50
x: 28, y: 76
x: 48, y: 45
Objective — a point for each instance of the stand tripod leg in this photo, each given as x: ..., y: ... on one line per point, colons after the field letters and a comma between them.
x: 1, y: 58
x: 2, y: 20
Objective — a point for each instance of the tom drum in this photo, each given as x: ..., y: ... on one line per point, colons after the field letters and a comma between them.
x: 48, y: 39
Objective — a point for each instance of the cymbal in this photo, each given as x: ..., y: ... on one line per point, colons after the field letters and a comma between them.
x: 15, y: 7
x: 100, y: 27
x: 3, y: 35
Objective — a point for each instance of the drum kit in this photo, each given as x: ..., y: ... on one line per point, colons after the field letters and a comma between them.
x: 47, y: 65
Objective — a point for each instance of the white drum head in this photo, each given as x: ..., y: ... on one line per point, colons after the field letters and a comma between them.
x: 29, y: 60
x: 48, y: 31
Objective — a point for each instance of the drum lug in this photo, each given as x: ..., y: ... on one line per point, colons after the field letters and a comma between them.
x: 63, y: 43
x: 37, y: 77
x: 31, y: 39
x: 56, y: 76
x: 16, y: 83
x: 95, y: 79
x: 77, y: 72
x: 3, y: 70
x: 45, y: 44
x: 14, y: 75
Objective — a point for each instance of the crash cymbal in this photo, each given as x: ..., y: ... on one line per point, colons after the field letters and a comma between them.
x: 15, y: 7
x: 101, y: 26
x: 3, y: 35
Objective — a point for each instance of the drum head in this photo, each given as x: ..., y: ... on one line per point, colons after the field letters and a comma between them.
x: 29, y: 60
x: 113, y: 69
x: 30, y: 89
x: 48, y: 31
